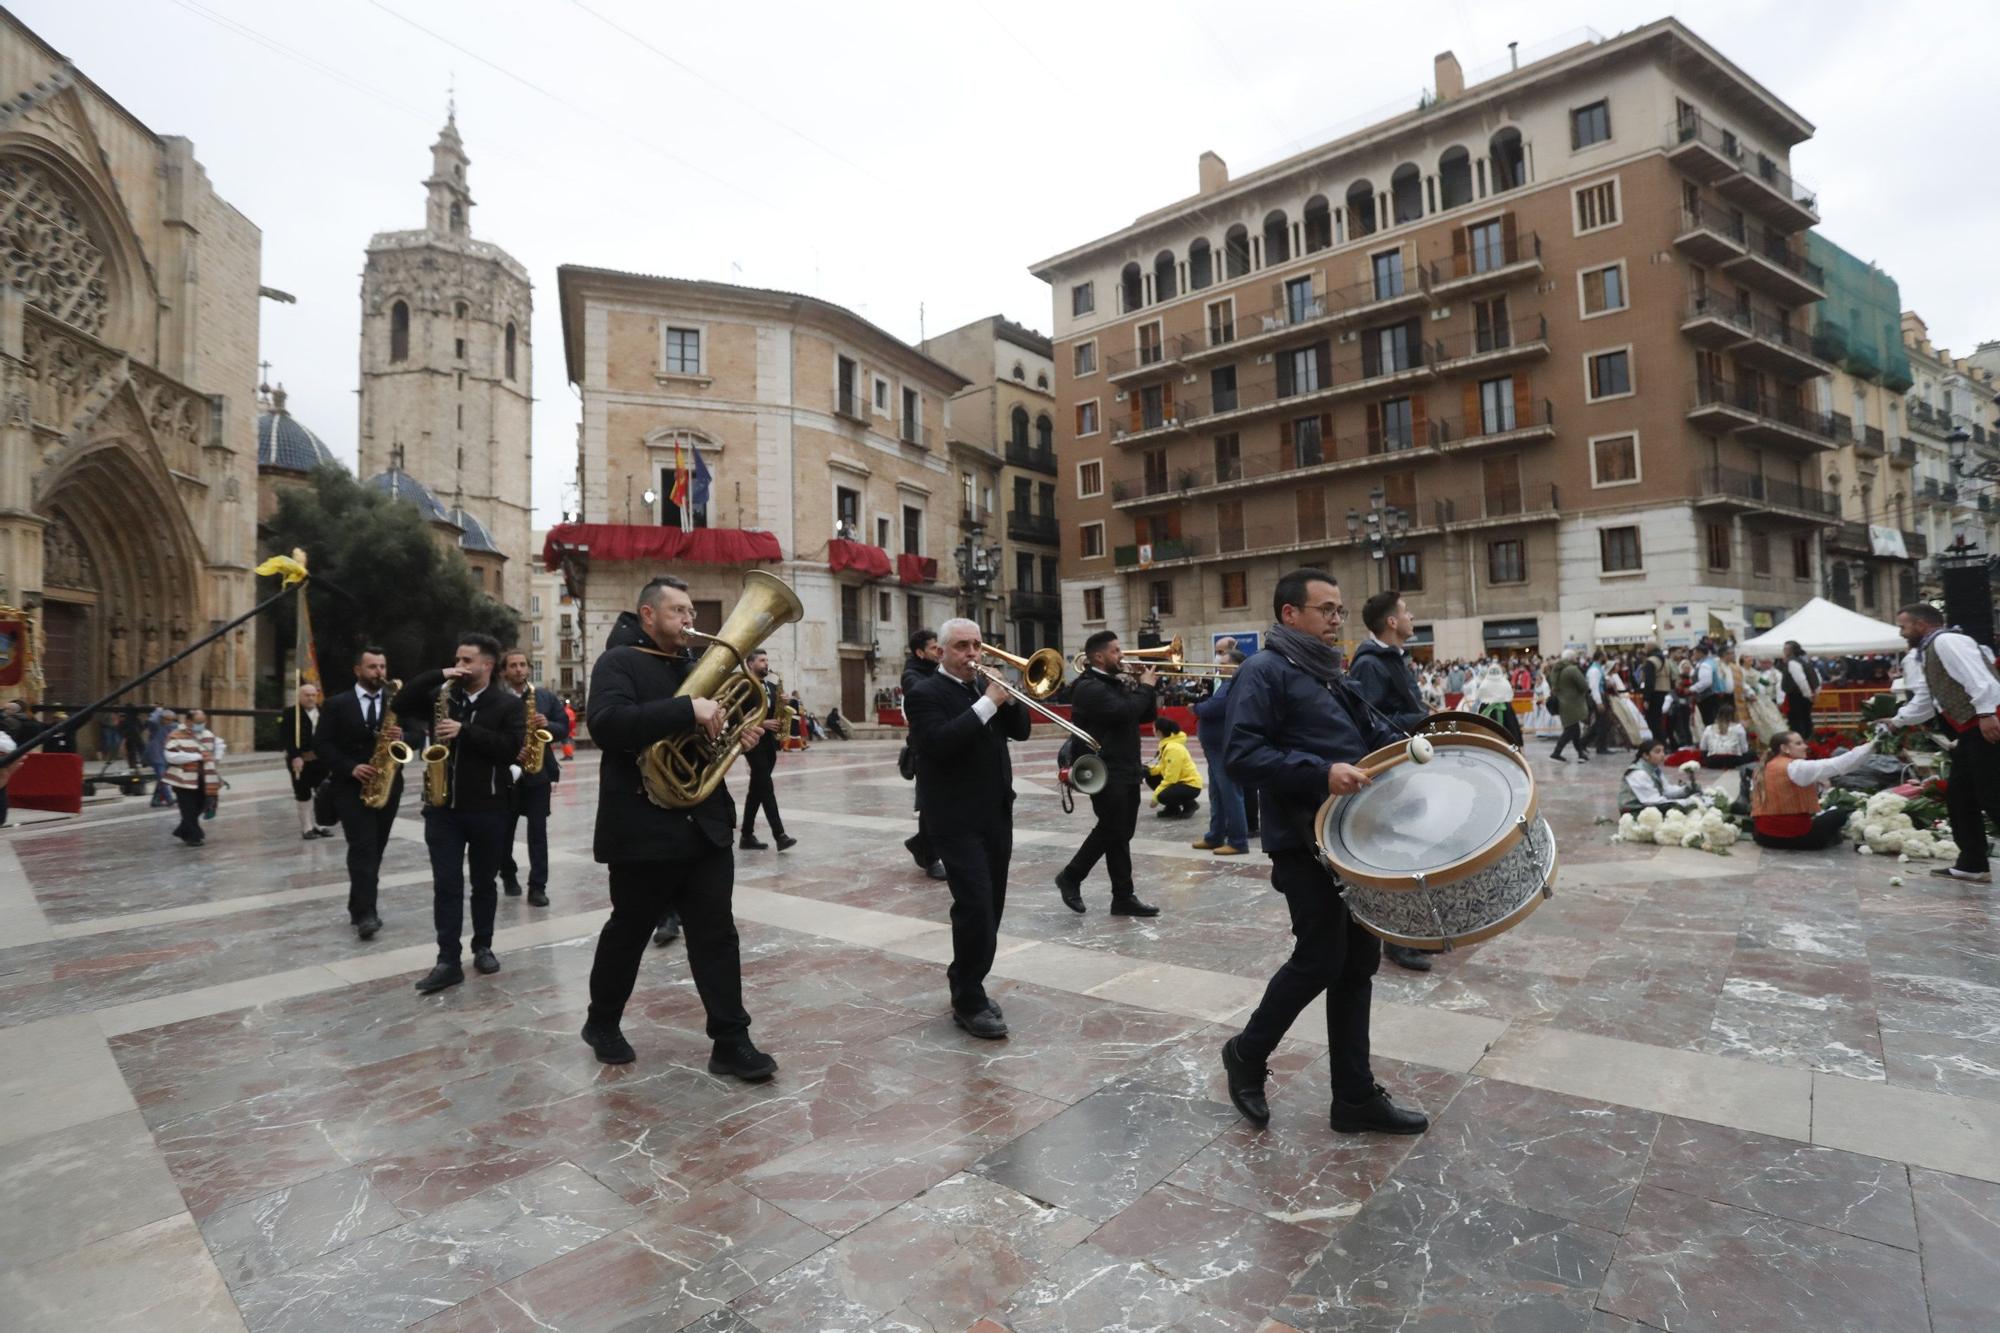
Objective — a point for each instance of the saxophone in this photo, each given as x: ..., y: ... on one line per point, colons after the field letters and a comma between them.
x: 437, y: 781
x: 539, y: 738
x: 388, y: 757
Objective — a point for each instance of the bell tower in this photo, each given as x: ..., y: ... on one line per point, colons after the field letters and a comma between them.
x: 449, y: 212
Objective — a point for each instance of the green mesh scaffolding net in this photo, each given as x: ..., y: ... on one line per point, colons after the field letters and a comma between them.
x: 1859, y: 326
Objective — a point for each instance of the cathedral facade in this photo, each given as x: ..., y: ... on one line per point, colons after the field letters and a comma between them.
x: 445, y: 372
x: 128, y: 373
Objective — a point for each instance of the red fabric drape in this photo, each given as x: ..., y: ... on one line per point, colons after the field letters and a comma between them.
x: 916, y: 568
x: 872, y: 561
x: 635, y: 541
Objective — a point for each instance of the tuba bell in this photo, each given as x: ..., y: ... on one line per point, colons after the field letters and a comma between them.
x: 1041, y: 671
x: 682, y: 771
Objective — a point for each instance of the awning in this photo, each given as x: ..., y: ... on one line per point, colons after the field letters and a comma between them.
x: 915, y: 569
x: 1634, y: 627
x: 872, y: 561
x: 666, y: 546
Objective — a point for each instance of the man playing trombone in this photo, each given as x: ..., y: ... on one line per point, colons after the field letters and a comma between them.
x: 1106, y: 706
x: 960, y: 722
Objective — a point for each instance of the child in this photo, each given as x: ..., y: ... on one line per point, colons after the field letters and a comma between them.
x: 1175, y: 781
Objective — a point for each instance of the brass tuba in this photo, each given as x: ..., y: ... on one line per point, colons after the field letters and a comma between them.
x: 539, y: 738
x: 388, y: 757
x: 682, y: 771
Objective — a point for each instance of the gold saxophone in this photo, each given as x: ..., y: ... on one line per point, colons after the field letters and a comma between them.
x: 437, y: 781
x: 539, y: 738
x: 388, y: 757
x: 683, y: 771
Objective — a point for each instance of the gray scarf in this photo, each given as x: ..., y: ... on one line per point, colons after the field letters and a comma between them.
x: 1306, y: 651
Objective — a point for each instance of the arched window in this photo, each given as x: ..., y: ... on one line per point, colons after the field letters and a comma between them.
x: 1455, y: 177
x: 1019, y: 424
x: 1361, y: 208
x: 1020, y: 373
x: 1319, y: 224
x: 1163, y: 276
x: 1406, y: 193
x: 1509, y: 160
x: 1045, y: 434
x: 1277, y: 238
x: 457, y: 217
x: 1201, y: 265
x: 1131, y: 288
x: 1041, y: 379
x: 458, y: 310
x: 399, y: 332
x: 1236, y: 251
x: 510, y: 349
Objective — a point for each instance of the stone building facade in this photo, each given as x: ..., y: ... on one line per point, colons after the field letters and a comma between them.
x: 128, y: 371
x: 1949, y: 410
x: 825, y: 442
x: 446, y: 371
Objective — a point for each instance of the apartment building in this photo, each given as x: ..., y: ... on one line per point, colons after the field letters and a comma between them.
x: 815, y: 445
x: 1950, y: 415
x: 1008, y: 412
x: 1534, y: 352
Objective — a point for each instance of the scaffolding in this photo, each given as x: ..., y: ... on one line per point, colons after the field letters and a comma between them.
x: 1859, y: 326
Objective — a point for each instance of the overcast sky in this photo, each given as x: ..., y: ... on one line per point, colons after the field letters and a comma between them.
x: 907, y: 158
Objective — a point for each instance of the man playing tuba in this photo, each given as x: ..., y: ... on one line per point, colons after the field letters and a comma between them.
x: 663, y: 858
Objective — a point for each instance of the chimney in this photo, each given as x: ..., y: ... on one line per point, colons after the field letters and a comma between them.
x: 1214, y: 173
x: 1450, y: 78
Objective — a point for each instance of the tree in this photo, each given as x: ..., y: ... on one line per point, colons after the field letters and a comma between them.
x: 379, y: 577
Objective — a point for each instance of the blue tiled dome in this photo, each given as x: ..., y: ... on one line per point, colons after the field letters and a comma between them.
x: 475, y: 536
x: 400, y: 485
x: 283, y: 442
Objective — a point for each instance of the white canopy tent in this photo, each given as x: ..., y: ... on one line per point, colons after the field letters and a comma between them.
x: 1823, y: 628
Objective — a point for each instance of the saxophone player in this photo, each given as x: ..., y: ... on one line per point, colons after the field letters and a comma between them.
x: 533, y: 788
x: 351, y: 728
x: 663, y: 859
x: 479, y: 730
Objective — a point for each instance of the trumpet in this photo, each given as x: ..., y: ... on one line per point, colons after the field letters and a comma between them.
x: 1088, y: 774
x: 1168, y: 659
x: 1041, y: 671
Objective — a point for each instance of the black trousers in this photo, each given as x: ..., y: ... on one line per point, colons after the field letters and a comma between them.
x: 367, y: 833
x: 311, y: 773
x: 1572, y: 735
x: 1974, y: 790
x: 1798, y: 714
x: 1825, y: 831
x: 1179, y: 796
x: 1653, y: 701
x: 192, y: 801
x: 975, y: 866
x: 1117, y: 811
x: 1330, y: 955
x: 1600, y: 729
x: 454, y: 837
x: 531, y: 802
x: 644, y: 891
x: 1708, y: 703
x: 762, y: 794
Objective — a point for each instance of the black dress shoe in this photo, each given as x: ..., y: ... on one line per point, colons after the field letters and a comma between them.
x: 511, y: 888
x: 537, y: 896
x: 915, y: 847
x: 1129, y: 905
x: 610, y: 1045
x: 668, y: 930
x: 936, y: 870
x: 484, y: 962
x: 741, y: 1058
x: 1560, y: 759
x: 1246, y: 1084
x: 1402, y: 955
x: 1072, y: 894
x: 750, y: 844
x: 984, y: 1024
x: 1376, y: 1114
x: 367, y: 926
x: 786, y: 841
x: 440, y: 977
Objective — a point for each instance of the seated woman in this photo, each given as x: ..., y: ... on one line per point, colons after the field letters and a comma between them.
x: 1785, y: 800
x: 1723, y: 742
x: 1175, y: 781
x: 1646, y: 785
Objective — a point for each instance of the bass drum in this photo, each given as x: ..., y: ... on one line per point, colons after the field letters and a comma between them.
x: 1454, y: 720
x: 1467, y: 910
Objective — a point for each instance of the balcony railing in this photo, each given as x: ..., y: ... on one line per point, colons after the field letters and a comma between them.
x: 1721, y: 402
x: 1466, y: 267
x: 1773, y: 248
x: 1167, y: 548
x: 1020, y: 454
x: 1360, y: 300
x: 1766, y: 491
x: 1147, y: 357
x: 1701, y: 217
x: 1023, y: 604
x: 916, y: 434
x: 852, y: 404
x: 1028, y: 527
x: 1843, y: 425
x: 1904, y: 452
x: 1705, y: 150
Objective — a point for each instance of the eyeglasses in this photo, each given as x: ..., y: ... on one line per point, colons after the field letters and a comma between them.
x: 1331, y: 610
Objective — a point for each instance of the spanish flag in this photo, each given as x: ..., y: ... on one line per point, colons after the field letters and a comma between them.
x: 679, y: 494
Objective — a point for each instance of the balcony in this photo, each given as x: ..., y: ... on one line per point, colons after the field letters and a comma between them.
x: 1708, y: 234
x: 1354, y: 453
x: 1020, y: 453
x: 1146, y: 360
x: 1701, y: 149
x: 1360, y: 302
x: 1770, y: 264
x: 1487, y: 268
x: 1730, y: 488
x: 917, y: 435
x: 1168, y: 550
x: 852, y: 404
x: 1870, y: 443
x: 1496, y: 509
x: 1931, y: 421
x: 1720, y: 406
x: 1776, y: 346
x: 1026, y: 527
x: 974, y: 516
x: 1471, y: 436
x: 1856, y: 539
x: 1903, y: 453
x: 1769, y: 191
x: 1024, y: 605
x: 1714, y: 323
x: 1485, y: 350
x: 1708, y: 153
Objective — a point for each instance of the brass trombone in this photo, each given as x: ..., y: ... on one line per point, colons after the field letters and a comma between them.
x: 1088, y: 774
x: 1041, y: 671
x: 1168, y: 659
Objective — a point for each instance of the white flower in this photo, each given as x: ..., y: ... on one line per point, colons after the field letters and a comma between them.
x: 1649, y: 818
x: 1666, y: 837
x: 1692, y: 838
x: 1865, y: 849
x: 1895, y: 881
x: 1870, y: 832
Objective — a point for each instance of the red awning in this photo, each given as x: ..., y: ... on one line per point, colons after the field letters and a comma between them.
x: 666, y: 546
x: 916, y: 568
x: 872, y: 561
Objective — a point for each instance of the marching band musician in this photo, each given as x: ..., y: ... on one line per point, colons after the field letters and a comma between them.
x: 1296, y: 730
x: 1381, y: 673
x: 532, y: 790
x: 345, y: 742
x: 965, y: 796
x: 1111, y: 710
x: 762, y: 758
x: 662, y: 858
x: 483, y: 729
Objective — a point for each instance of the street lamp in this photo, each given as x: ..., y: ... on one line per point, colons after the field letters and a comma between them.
x: 978, y: 571
x: 1383, y: 527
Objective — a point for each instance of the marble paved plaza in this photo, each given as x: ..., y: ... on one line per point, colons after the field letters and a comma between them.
x: 1693, y: 1092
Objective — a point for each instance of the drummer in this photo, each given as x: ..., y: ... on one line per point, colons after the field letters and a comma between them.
x: 1296, y: 733
x: 1381, y: 674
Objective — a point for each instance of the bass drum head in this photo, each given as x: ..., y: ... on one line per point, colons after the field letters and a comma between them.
x: 1421, y: 824
x: 1458, y: 719
x: 1465, y: 911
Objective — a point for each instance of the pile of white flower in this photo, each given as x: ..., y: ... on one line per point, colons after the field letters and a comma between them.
x: 1705, y: 826
x: 1883, y: 828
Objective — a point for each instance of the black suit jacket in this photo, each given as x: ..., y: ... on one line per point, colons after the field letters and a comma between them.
x: 965, y: 778
x: 551, y: 708
x: 1112, y: 713
x: 299, y: 730
x: 491, y: 728
x: 344, y: 739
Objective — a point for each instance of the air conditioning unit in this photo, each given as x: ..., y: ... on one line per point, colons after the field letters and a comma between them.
x: 1118, y: 397
x: 1442, y: 312
x: 1350, y: 336
x: 1264, y: 360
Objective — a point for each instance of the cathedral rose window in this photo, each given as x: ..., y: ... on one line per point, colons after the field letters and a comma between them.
x: 49, y: 253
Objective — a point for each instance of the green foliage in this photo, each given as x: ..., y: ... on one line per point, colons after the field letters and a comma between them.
x: 379, y: 577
